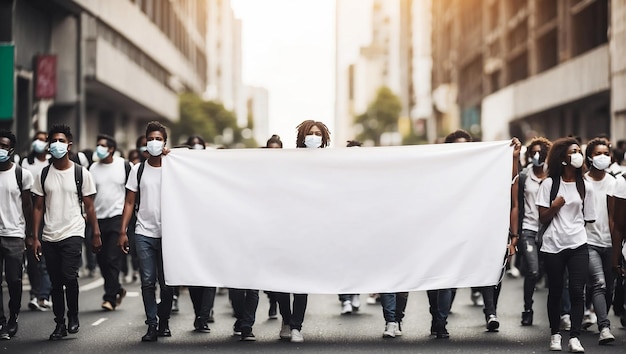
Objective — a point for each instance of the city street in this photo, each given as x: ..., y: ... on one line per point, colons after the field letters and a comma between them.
x: 325, y: 330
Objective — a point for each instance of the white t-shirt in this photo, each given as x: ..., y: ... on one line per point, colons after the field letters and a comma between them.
x: 531, y: 212
x: 567, y: 229
x: 149, y: 214
x: 36, y: 167
x: 110, y: 180
x: 599, y: 232
x: 12, y: 222
x: 63, y: 216
x: 620, y: 187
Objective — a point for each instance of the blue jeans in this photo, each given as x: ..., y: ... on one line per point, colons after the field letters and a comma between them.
x: 529, y: 249
x: 601, y: 282
x: 393, y: 305
x: 245, y: 302
x: 440, y: 303
x: 151, y: 268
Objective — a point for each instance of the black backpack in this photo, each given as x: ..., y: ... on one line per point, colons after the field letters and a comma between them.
x: 18, y: 177
x: 142, y: 165
x: 78, y: 179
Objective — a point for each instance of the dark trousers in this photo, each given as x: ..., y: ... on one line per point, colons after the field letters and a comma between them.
x: 293, y: 318
x: 90, y: 257
x: 202, y: 299
x: 576, y: 261
x: 63, y: 259
x: 110, y: 257
x: 490, y: 297
x: 11, y: 256
x: 245, y: 302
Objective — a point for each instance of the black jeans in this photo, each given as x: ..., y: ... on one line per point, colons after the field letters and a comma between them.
x: 245, y: 302
x: 292, y: 318
x: 110, y: 257
x: 576, y: 261
x: 490, y: 298
x: 63, y: 259
x: 11, y: 256
x: 202, y: 299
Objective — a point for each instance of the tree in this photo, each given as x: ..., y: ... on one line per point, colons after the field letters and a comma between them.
x: 381, y: 116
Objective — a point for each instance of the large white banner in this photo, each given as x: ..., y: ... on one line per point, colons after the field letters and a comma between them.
x: 330, y: 221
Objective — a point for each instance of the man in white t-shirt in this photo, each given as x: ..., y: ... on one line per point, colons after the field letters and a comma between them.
x: 109, y: 175
x: 59, y: 192
x: 144, y: 188
x: 15, y: 213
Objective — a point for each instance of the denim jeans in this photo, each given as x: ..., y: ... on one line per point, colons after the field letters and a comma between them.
x: 490, y: 298
x: 151, y: 268
x: 245, y: 302
x: 11, y: 256
x: 202, y: 299
x: 110, y: 257
x: 63, y: 259
x: 601, y: 282
x: 394, y: 305
x: 440, y: 302
x: 576, y: 262
x: 296, y: 318
x: 529, y: 250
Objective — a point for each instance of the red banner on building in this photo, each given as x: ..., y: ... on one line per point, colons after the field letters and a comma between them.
x: 46, y: 79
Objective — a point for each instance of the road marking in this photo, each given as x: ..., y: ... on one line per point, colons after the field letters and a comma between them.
x: 94, y: 284
x: 132, y: 294
x: 99, y: 321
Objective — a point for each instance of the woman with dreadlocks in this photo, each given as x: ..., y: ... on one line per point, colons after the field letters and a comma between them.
x: 565, y: 201
x: 312, y: 135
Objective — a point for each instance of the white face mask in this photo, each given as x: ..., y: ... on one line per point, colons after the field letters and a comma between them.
x: 102, y: 152
x: 39, y: 146
x: 576, y: 160
x: 313, y: 141
x: 58, y: 149
x: 198, y: 147
x: 536, y: 159
x: 155, y: 147
x: 4, y: 155
x: 601, y: 162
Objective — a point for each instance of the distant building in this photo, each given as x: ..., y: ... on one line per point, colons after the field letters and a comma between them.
x: 530, y: 67
x: 258, y: 108
x: 119, y: 63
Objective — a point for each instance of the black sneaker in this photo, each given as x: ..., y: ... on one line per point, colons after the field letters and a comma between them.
x: 12, y: 325
x: 151, y: 335
x: 272, y: 313
x: 492, y: 323
x: 164, y: 329
x: 4, y: 332
x: 247, y: 335
x: 440, y: 330
x: 59, y: 332
x: 201, y: 325
x: 175, y: 304
x: 527, y: 318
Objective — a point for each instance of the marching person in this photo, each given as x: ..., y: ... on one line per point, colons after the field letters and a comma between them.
x: 59, y: 191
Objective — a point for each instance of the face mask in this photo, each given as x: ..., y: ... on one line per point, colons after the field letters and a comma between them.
x: 576, y: 160
x: 198, y: 147
x: 102, y: 152
x: 4, y: 155
x: 313, y: 141
x: 601, y: 162
x: 536, y: 158
x: 39, y: 146
x: 58, y: 149
x: 155, y: 147
x: 143, y: 149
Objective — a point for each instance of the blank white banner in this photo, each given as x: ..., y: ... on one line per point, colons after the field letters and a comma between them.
x: 330, y: 221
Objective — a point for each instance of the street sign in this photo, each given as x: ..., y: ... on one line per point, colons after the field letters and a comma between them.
x: 7, y: 81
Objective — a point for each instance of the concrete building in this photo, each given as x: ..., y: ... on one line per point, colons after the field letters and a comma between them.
x: 225, y: 82
x: 530, y: 67
x: 119, y: 63
x: 258, y: 107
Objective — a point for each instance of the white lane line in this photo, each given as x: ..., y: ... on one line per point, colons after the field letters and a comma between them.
x: 99, y: 321
x: 94, y: 284
x: 132, y: 294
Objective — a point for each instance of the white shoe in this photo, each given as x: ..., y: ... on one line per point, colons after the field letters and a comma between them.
x: 390, y: 330
x: 34, y: 304
x: 296, y: 336
x: 606, y: 336
x: 356, y: 302
x: 285, y: 332
x: 589, y: 319
x: 575, y: 346
x: 398, y: 330
x: 346, y: 307
x: 477, y: 298
x: 371, y: 300
x: 555, y: 343
x: 566, y: 323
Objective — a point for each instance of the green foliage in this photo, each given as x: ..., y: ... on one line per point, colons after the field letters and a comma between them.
x: 209, y: 119
x: 381, y: 116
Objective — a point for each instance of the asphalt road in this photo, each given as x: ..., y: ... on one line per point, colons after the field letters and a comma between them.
x: 325, y: 330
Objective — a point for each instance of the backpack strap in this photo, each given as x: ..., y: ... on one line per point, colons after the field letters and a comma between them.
x: 127, y: 168
x: 521, y: 189
x: 18, y: 177
x: 142, y: 165
x: 44, y: 175
x: 78, y: 179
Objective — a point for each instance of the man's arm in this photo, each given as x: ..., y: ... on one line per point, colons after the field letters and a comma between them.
x: 93, y: 221
x: 514, y: 217
x: 127, y: 214
x: 27, y: 209
x: 36, y: 224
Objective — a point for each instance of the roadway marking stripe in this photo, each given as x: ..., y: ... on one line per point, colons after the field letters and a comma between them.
x: 94, y: 284
x: 99, y: 321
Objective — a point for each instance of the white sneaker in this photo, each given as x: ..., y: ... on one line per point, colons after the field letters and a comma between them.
x: 606, y: 336
x: 555, y: 343
x: 477, y: 298
x: 356, y: 302
x: 398, y: 331
x: 566, y: 323
x: 296, y: 336
x: 285, y: 332
x: 371, y: 300
x: 575, y: 346
x: 346, y: 307
x: 390, y: 330
x: 589, y: 319
x: 34, y: 304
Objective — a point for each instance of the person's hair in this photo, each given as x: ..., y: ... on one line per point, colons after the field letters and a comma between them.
x: 618, y: 155
x: 557, y: 155
x: 9, y: 135
x: 194, y: 137
x: 60, y: 129
x: 139, y: 140
x: 155, y: 126
x: 544, y: 143
x: 110, y: 141
x: 275, y: 139
x: 592, y: 145
x: 304, y: 128
x: 353, y: 143
x: 134, y: 154
x: 459, y: 134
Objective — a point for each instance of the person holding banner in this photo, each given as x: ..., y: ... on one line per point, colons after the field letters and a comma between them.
x: 145, y: 180
x: 566, y: 203
x: 312, y: 135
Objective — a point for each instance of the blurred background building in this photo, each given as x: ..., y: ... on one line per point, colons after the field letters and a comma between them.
x: 102, y: 66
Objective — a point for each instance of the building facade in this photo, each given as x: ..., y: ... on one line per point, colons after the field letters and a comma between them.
x: 258, y: 108
x: 116, y: 64
x: 529, y: 67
